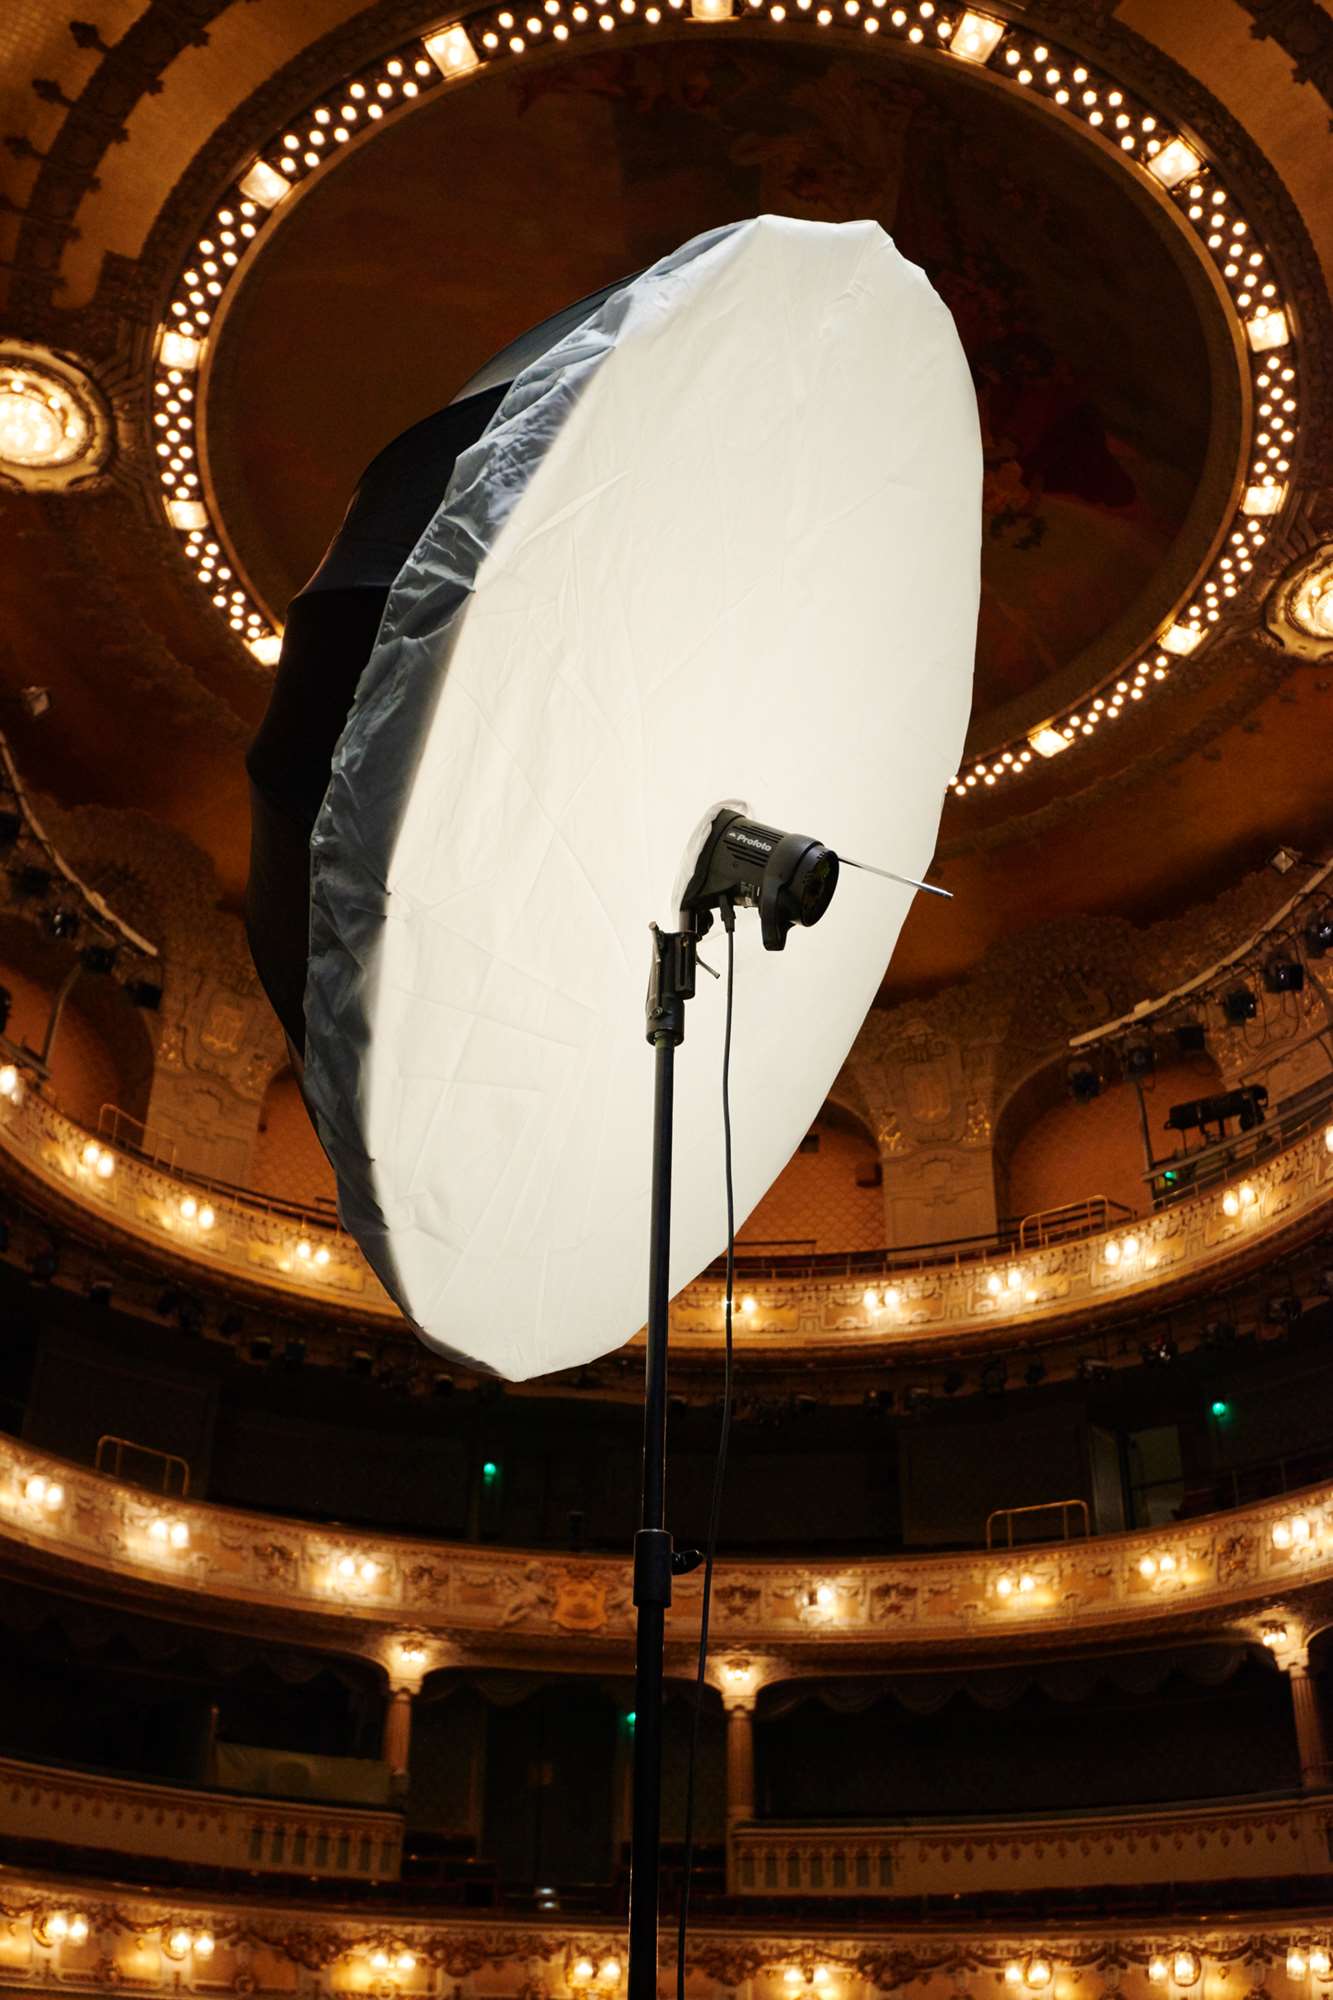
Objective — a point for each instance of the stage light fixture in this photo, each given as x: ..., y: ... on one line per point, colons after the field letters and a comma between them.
x: 1140, y: 1060
x: 98, y: 958
x: 1239, y: 1005
x: 145, y: 993
x: 1284, y: 975
x: 11, y: 826
x: 1083, y: 1082
x: 63, y: 924
x: 994, y: 1378
x: 1191, y: 1037
x: 1318, y: 934
x: 31, y: 881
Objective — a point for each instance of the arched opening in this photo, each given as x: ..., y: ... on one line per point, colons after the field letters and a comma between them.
x: 102, y: 1053
x: 827, y: 1197
x: 1050, y: 1150
x: 288, y: 1159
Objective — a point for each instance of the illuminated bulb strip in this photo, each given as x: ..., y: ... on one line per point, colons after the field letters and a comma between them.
x: 1147, y: 146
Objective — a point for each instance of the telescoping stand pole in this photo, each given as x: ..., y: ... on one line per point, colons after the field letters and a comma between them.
x: 670, y: 985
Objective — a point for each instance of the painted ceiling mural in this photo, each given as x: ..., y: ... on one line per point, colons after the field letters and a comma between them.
x: 430, y: 248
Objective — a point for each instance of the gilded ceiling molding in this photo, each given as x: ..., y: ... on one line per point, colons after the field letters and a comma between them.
x: 1304, y: 30
x: 84, y: 1940
x: 1238, y: 1574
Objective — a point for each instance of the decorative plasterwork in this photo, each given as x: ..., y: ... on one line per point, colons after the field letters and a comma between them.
x: 150, y: 1944
x: 1141, y: 138
x: 251, y: 1244
x: 1219, y: 1574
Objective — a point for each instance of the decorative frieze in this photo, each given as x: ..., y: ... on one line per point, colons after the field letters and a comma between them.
x: 362, y: 1593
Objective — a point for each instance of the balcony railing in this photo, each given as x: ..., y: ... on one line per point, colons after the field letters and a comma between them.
x: 1182, y: 1844
x: 1214, y: 1573
x: 197, y: 1828
x: 965, y: 1288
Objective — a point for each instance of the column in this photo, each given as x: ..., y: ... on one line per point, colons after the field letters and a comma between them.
x: 740, y: 1761
x: 398, y: 1736
x: 1309, y: 1727
x: 738, y: 1701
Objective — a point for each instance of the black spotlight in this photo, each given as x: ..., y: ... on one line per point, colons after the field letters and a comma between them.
x: 1239, y: 1005
x: 98, y: 958
x: 99, y: 1292
x: 1140, y: 1059
x: 31, y: 880
x: 45, y: 1264
x: 1083, y: 1081
x: 260, y: 1348
x: 1283, y: 1310
x: 361, y: 1361
x: 1284, y: 975
x: 1191, y: 1037
x: 1092, y: 1368
x: 1160, y: 1352
x: 144, y: 993
x: 790, y: 877
x: 62, y: 923
x: 1034, y: 1374
x: 11, y: 826
x: 952, y: 1382
x: 1319, y: 934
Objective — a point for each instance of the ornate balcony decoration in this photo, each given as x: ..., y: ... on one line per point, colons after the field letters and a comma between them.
x: 1202, y: 1844
x: 260, y: 1836
x: 1217, y: 1574
x: 146, y: 1945
x: 253, y: 1246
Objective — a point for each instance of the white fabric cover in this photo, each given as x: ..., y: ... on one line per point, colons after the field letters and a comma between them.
x: 721, y: 541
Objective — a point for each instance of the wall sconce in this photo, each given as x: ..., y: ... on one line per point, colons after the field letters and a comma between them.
x: 1024, y: 1584
x: 60, y: 1927
x: 1037, y: 1973
x: 169, y: 1533
x: 1293, y: 1533
x: 39, y: 1491
x: 1185, y: 1968
x: 1157, y: 1970
x: 1163, y: 1564
x: 394, y: 1962
x: 98, y: 1160
x: 180, y: 1942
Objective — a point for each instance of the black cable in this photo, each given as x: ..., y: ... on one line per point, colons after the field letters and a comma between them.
x: 728, y: 914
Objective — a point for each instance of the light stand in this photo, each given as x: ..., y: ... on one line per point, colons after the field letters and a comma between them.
x: 790, y: 879
x: 670, y: 985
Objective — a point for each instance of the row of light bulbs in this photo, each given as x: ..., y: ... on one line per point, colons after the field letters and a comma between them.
x: 1296, y: 1532
x: 975, y: 37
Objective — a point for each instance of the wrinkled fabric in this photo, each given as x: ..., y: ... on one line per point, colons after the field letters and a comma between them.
x: 721, y: 540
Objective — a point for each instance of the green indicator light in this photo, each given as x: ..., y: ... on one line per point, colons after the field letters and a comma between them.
x: 1221, y: 1409
x: 490, y: 1470
x: 630, y: 1718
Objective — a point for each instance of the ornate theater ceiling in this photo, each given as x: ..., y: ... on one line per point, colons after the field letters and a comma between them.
x: 1139, y: 736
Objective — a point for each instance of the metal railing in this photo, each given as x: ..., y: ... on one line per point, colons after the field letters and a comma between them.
x: 1011, y: 1514
x: 1070, y: 1220
x: 110, y: 1458
x: 158, y: 1150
